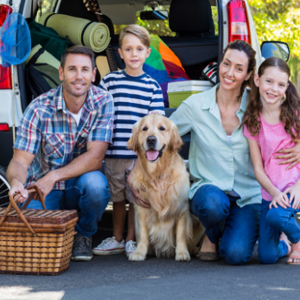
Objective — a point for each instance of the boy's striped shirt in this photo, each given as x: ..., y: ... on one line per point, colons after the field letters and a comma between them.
x: 134, y: 98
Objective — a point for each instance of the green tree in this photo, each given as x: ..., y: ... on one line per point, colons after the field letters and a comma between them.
x: 279, y: 20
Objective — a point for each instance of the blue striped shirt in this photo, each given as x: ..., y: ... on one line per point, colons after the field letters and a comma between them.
x: 134, y: 98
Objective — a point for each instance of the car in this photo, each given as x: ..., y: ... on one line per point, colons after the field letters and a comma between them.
x: 196, y: 30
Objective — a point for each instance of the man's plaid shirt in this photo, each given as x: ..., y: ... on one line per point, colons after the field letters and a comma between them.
x: 49, y: 131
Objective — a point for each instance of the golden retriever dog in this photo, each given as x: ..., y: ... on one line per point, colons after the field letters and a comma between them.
x: 161, y: 177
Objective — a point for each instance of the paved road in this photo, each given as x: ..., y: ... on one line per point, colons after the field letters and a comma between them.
x: 114, y: 277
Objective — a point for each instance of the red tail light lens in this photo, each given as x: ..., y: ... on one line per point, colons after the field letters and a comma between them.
x: 5, y: 10
x: 5, y: 75
x: 4, y: 127
x: 238, y: 21
x: 5, y: 78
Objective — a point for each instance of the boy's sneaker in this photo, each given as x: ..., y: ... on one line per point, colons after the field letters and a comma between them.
x: 130, y: 247
x: 82, y: 248
x: 109, y: 246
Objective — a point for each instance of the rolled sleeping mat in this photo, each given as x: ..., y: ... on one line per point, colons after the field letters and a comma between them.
x: 80, y: 31
x: 44, y: 58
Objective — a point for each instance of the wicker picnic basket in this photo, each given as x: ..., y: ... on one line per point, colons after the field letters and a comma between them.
x: 34, y: 241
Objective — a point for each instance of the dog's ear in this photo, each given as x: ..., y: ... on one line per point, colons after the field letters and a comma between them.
x: 133, y: 141
x: 175, y: 141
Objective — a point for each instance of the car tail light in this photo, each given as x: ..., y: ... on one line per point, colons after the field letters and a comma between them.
x: 4, y: 127
x: 5, y: 78
x: 5, y: 74
x: 238, y: 21
x: 5, y: 11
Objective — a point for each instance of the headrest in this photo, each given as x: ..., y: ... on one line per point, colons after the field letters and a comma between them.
x: 190, y: 17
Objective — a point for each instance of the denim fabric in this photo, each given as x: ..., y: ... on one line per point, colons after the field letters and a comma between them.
x: 274, y: 221
x: 212, y: 206
x: 88, y: 193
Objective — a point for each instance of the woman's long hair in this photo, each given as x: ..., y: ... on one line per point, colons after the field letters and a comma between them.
x: 290, y: 107
x: 248, y: 50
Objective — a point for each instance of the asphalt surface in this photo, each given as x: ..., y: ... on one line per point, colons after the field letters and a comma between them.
x: 114, y: 277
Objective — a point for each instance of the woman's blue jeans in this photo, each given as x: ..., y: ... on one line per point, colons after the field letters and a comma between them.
x: 212, y: 206
x: 88, y: 193
x: 274, y: 221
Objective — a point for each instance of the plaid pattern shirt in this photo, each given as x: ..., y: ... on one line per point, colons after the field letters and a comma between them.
x: 48, y: 130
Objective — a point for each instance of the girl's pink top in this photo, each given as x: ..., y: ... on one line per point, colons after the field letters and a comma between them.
x: 272, y: 138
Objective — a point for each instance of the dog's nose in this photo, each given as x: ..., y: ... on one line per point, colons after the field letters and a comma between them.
x: 151, y: 141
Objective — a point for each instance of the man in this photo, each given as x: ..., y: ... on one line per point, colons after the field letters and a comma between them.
x: 60, y: 146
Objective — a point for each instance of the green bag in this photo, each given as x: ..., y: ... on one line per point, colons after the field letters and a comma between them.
x: 48, y: 38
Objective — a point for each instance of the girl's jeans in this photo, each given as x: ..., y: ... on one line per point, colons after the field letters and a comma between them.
x: 274, y: 221
x: 88, y: 193
x: 212, y: 206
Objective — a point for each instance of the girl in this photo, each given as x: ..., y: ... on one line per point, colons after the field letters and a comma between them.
x: 272, y: 123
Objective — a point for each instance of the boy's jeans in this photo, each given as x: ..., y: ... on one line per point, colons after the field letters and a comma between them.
x: 88, y: 193
x: 274, y: 221
x: 212, y: 206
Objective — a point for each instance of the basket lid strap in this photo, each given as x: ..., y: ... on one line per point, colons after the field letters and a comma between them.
x: 14, y: 197
x: 34, y: 189
x: 15, y: 206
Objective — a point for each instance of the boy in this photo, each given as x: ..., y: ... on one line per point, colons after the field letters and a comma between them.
x: 135, y: 95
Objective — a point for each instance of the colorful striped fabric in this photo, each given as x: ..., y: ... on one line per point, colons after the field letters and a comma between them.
x: 164, y: 66
x: 163, y: 60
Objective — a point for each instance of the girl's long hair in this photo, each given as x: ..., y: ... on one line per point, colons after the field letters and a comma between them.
x: 290, y: 107
x: 248, y: 50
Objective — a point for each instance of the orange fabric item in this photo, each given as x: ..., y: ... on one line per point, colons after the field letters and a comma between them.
x: 168, y: 55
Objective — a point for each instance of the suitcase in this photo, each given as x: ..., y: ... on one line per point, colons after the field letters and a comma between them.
x: 34, y: 241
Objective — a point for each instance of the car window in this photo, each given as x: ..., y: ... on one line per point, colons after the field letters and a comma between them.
x: 45, y: 6
x: 161, y: 27
x: 157, y: 27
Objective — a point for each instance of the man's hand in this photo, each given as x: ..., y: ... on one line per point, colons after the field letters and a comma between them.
x: 18, y: 187
x: 291, y: 155
x: 46, y: 183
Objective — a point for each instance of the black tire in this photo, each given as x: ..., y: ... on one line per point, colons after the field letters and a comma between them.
x: 4, y: 188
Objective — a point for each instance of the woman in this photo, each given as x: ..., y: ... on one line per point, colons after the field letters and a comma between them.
x: 225, y: 192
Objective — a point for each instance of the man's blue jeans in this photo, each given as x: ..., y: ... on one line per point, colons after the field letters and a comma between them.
x: 274, y: 221
x: 88, y: 193
x: 212, y: 206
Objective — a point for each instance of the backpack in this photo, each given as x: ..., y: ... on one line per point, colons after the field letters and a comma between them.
x: 40, y: 77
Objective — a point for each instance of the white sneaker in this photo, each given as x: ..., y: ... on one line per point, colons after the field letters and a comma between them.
x: 130, y: 247
x: 109, y: 246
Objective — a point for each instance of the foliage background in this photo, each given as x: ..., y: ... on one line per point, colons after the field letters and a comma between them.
x: 279, y: 20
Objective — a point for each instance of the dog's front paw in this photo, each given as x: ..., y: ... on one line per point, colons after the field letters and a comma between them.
x: 137, y: 256
x: 183, y: 256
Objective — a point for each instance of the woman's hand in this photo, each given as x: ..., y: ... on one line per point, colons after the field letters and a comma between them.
x: 280, y: 199
x: 294, y: 192
x: 291, y: 155
x: 138, y: 199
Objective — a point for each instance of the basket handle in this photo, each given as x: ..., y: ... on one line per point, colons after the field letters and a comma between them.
x: 31, y: 189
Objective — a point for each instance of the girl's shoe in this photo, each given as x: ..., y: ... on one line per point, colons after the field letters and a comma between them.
x: 284, y: 238
x: 109, y: 246
x: 294, y: 258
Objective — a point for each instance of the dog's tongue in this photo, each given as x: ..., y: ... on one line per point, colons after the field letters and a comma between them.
x: 152, y: 155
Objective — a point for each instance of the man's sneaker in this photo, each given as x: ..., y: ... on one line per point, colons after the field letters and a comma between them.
x: 110, y: 246
x: 130, y: 247
x: 82, y: 248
